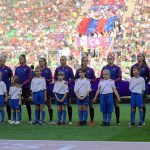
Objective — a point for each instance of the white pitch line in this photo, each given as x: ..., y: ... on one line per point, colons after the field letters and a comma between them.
x: 67, y: 147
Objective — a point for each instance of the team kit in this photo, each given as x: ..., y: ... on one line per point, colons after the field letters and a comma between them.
x: 34, y: 83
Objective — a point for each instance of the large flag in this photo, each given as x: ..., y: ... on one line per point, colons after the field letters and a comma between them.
x: 92, y: 26
x: 82, y: 29
x: 110, y: 23
x: 100, y: 26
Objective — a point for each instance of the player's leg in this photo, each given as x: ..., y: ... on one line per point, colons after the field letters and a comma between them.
x: 8, y: 109
x: 49, y: 106
x: 91, y: 110
x: 117, y: 109
x: 26, y: 93
x: 2, y: 114
x: 85, y: 115
x: 69, y: 107
x: 141, y: 116
x: 59, y: 114
x: 64, y: 114
x: 42, y: 113
x: 144, y: 107
x: 132, y: 116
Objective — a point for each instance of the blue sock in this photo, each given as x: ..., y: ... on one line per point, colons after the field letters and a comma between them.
x: 64, y: 115
x: 104, y: 117
x: 43, y: 115
x: 80, y: 113
x: 59, y: 115
x: 85, y: 115
x: 141, y: 116
x: 36, y: 115
x: 19, y: 116
x: 2, y: 115
x: 14, y: 116
x: 132, y: 116
x: 109, y: 115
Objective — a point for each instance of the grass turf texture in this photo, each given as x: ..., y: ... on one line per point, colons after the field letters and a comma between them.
x: 80, y: 133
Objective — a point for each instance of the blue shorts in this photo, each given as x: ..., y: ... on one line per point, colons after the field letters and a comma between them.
x: 60, y: 96
x: 38, y: 97
x: 2, y: 100
x: 14, y: 103
x: 136, y: 100
x: 106, y: 103
x: 83, y: 102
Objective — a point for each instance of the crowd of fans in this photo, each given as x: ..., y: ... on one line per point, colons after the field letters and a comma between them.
x: 48, y: 27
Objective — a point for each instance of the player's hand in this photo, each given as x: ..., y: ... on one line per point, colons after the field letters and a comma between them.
x: 66, y: 82
x: 45, y: 99
x: 119, y: 100
x: 19, y: 102
x: 94, y: 100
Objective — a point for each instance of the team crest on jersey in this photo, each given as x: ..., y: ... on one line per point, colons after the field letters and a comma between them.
x: 143, y: 68
x: 6, y: 71
x: 114, y: 69
x: 46, y: 71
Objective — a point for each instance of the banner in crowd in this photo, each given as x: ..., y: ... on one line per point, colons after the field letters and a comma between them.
x: 93, y: 42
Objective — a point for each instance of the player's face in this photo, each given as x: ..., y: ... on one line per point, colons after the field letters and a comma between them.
x: 1, y: 62
x: 110, y: 60
x: 85, y: 61
x: 22, y: 60
x: 140, y: 57
x: 135, y: 72
x: 63, y: 61
x: 37, y: 72
x: 41, y: 63
x: 81, y: 74
x: 105, y: 75
x: 60, y: 77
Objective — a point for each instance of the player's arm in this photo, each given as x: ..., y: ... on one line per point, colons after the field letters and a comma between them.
x: 6, y: 96
x: 78, y: 96
x: 63, y: 97
x: 116, y: 94
x: 56, y: 97
x: 45, y: 95
x: 97, y: 93
x: 19, y: 99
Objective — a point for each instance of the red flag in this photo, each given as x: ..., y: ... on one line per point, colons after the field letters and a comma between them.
x: 84, y: 25
x: 101, y: 24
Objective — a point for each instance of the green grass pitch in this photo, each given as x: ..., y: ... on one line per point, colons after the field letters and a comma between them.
x: 79, y: 133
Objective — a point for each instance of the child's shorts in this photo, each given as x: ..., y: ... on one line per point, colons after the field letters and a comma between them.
x: 38, y: 97
x: 136, y: 100
x: 2, y: 100
x: 83, y: 102
x: 60, y: 96
x: 14, y: 103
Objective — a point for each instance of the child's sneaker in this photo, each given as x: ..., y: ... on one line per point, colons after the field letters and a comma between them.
x: 131, y: 125
x: 108, y: 124
x: 140, y: 125
x: 104, y: 123
x: 63, y: 123
x: 17, y: 123
x: 12, y: 122
x: 84, y: 123
x: 58, y: 123
x: 9, y: 121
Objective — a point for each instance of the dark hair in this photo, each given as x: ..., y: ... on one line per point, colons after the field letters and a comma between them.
x: 23, y: 55
x: 83, y: 70
x: 32, y: 66
x: 137, y: 68
x: 82, y: 60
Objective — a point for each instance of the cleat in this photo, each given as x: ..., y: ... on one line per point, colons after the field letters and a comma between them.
x: 140, y: 125
x: 70, y: 122
x: 92, y: 123
x: 131, y: 125
x: 104, y: 123
x: 9, y: 121
x: 108, y: 124
x: 58, y: 123
x: 143, y: 123
x: 12, y: 122
x: 30, y: 122
x: 17, y: 123
x: 63, y: 123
